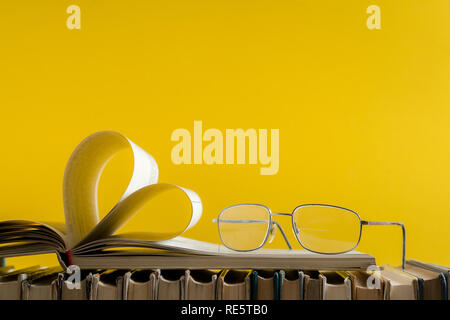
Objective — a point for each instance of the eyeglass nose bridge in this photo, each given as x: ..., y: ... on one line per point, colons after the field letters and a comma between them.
x: 281, y: 228
x: 294, y: 224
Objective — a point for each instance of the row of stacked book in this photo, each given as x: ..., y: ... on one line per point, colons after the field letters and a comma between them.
x: 417, y: 281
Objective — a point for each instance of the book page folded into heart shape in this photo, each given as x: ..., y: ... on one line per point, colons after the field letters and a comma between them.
x: 80, y: 184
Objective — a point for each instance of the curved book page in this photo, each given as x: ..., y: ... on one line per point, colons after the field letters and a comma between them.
x: 81, y: 179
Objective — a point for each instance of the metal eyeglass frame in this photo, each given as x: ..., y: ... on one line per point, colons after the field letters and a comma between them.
x: 297, y: 231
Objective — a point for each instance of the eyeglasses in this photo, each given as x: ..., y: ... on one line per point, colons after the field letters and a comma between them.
x: 319, y: 228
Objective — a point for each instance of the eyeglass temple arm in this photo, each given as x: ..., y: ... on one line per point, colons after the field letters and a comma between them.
x: 284, y: 234
x: 378, y: 223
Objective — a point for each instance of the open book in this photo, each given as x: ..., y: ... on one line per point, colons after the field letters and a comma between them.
x: 89, y: 242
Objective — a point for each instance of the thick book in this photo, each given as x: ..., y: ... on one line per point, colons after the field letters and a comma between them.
x: 140, y: 285
x: 291, y: 284
x: 432, y: 284
x: 444, y: 271
x: 336, y: 286
x: 313, y: 287
x: 90, y: 243
x: 234, y: 285
x: 366, y: 285
x: 399, y: 285
x: 42, y: 285
x: 265, y: 285
x: 200, y: 284
x: 11, y: 281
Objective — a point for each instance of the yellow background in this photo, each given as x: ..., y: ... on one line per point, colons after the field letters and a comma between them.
x: 364, y: 116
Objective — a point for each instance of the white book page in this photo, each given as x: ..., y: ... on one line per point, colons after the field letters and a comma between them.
x: 81, y: 177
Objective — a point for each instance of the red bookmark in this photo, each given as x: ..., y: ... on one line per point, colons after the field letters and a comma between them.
x: 69, y: 257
